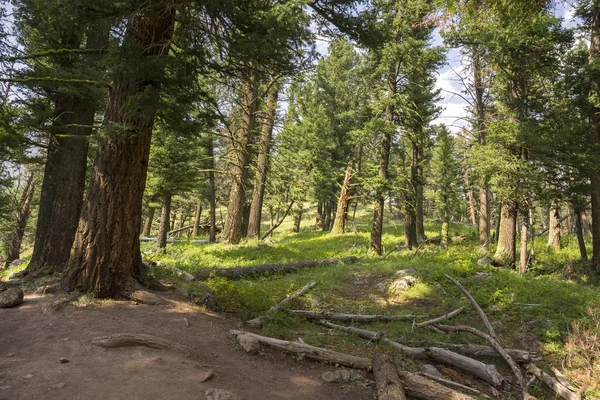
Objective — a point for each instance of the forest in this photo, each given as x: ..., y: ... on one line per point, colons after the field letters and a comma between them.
x: 402, y: 195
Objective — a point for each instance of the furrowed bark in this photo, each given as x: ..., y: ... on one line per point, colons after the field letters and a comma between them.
x: 161, y: 238
x: 388, y: 383
x: 233, y: 230
x: 107, y: 256
x: 506, y: 250
x: 595, y: 135
x: 263, y: 163
x: 63, y: 185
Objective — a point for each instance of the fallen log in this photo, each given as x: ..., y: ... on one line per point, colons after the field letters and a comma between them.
x: 453, y: 385
x: 520, y: 356
x: 388, y: 383
x: 440, y: 319
x: 333, y: 316
x: 246, y: 272
x: 486, y: 372
x: 492, y: 338
x: 307, y: 351
x: 139, y: 339
x: 553, y: 384
x: 258, y: 321
x: 424, y: 388
x: 182, y: 274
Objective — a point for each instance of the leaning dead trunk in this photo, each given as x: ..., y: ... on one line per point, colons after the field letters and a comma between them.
x: 63, y: 186
x: 107, y: 257
x: 506, y: 250
x: 262, y: 164
x: 161, y: 238
x: 554, y: 226
x: 384, y: 160
x: 339, y: 225
x: 233, y: 231
x: 20, y: 221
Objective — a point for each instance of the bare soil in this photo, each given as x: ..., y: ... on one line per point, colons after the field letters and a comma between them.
x: 33, y: 342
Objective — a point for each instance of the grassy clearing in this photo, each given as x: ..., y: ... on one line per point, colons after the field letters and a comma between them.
x: 563, y: 294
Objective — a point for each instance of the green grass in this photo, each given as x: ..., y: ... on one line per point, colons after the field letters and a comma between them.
x: 559, y: 285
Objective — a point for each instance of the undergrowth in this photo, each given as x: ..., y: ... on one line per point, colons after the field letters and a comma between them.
x: 547, y: 308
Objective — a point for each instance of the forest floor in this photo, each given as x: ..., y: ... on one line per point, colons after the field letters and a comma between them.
x: 32, y: 343
x: 553, y: 309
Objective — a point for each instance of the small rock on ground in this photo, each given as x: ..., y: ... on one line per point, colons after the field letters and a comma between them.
x: 402, y: 284
x: 11, y: 297
x: 403, y: 272
x: 220, y: 394
x: 208, y: 376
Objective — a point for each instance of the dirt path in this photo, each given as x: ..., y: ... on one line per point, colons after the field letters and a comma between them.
x: 31, y: 344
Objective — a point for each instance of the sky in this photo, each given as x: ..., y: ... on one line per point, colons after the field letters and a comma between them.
x: 453, y: 106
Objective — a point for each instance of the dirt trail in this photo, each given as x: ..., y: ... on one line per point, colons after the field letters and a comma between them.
x: 31, y: 344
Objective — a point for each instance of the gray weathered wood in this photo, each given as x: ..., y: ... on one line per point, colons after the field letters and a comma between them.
x: 388, y: 383
x: 308, y: 351
x: 333, y: 316
x: 553, y: 384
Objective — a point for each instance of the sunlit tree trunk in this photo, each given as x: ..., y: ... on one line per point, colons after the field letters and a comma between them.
x: 262, y: 164
x: 161, y: 238
x: 506, y: 250
x: 339, y: 225
x: 233, y: 230
x: 147, y: 231
x: 554, y: 226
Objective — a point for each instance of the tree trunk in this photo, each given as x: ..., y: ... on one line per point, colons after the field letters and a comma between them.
x: 339, y: 225
x: 524, y: 254
x: 506, y: 250
x: 20, y: 222
x: 147, y: 231
x: 161, y: 238
x: 595, y: 135
x: 319, y: 222
x: 327, y: 217
x: 484, y: 219
x: 410, y: 223
x: 471, y: 199
x: 419, y: 196
x: 107, y: 257
x: 384, y: 160
x: 445, y: 228
x: 212, y: 233
x: 554, y: 226
x: 297, y: 218
x: 233, y: 233
x: 197, y: 218
x: 411, y: 211
x: 580, y: 238
x: 63, y: 186
x: 263, y: 163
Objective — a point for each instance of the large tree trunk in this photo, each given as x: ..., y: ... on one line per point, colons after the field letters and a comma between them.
x: 107, y: 257
x: 263, y: 164
x: 327, y: 217
x: 554, y: 226
x: 147, y: 231
x: 20, y: 221
x: 212, y: 233
x: 595, y: 135
x: 197, y: 218
x: 339, y: 225
x: 161, y: 238
x: 233, y: 231
x: 384, y: 160
x: 506, y: 250
x: 61, y: 196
